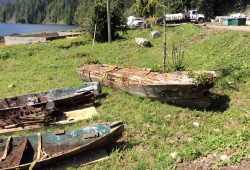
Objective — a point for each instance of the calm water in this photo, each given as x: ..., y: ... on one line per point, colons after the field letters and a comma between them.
x: 8, y: 29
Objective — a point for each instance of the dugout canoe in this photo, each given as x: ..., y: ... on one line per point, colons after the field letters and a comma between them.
x: 63, y: 97
x: 40, y: 150
x: 29, y: 115
x: 179, y: 88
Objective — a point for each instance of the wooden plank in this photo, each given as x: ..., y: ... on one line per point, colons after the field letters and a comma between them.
x: 91, y: 135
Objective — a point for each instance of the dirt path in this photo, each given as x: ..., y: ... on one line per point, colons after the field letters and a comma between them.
x: 235, y: 28
x: 206, y: 163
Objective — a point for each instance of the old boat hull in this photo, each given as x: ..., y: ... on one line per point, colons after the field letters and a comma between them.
x: 176, y: 88
x: 61, y: 146
x: 63, y: 97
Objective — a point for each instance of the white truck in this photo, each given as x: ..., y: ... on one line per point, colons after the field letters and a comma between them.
x: 189, y: 16
x: 134, y: 22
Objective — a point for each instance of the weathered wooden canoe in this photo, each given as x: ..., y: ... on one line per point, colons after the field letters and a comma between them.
x: 40, y: 150
x: 63, y: 97
x: 29, y: 115
x: 180, y: 88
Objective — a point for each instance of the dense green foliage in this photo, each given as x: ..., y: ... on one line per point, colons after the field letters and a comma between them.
x: 77, y: 11
x: 38, y: 11
x: 153, y: 130
x: 98, y: 24
x: 210, y: 8
x: 94, y: 17
x: 50, y: 11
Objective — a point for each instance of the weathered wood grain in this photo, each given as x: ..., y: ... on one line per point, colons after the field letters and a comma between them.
x: 176, y: 87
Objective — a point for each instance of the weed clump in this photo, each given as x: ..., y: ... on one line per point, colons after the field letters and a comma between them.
x: 178, y: 63
x: 157, y: 68
x: 79, y: 55
x: 4, y: 56
x: 64, y: 44
x: 202, y: 79
x: 92, y: 61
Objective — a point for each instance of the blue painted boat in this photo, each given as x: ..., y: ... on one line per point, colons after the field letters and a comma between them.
x: 39, y: 150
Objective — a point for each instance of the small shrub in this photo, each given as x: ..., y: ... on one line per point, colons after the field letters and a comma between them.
x: 177, y: 59
x: 92, y: 61
x: 226, y: 70
x: 64, y: 44
x: 202, y: 79
x: 157, y: 68
x: 79, y: 55
x: 190, y: 152
x: 4, y: 56
x: 99, y: 18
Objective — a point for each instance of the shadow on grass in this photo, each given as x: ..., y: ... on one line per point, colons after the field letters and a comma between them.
x: 119, y: 146
x: 101, y: 96
x: 220, y: 103
x: 120, y: 38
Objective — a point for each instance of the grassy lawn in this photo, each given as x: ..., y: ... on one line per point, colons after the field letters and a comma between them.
x: 153, y: 130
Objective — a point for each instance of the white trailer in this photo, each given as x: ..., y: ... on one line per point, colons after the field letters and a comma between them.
x: 189, y: 16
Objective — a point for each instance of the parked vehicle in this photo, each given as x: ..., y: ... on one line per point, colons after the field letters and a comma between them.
x: 189, y: 16
x: 238, y: 15
x: 134, y: 22
x: 43, y: 149
x: 176, y: 88
x: 221, y: 18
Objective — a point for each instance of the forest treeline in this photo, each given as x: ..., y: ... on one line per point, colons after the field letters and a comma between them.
x: 39, y: 11
x: 75, y: 11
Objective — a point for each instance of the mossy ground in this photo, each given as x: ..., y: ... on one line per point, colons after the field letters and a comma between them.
x: 152, y: 130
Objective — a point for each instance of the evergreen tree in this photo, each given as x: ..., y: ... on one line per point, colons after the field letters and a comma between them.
x: 80, y: 11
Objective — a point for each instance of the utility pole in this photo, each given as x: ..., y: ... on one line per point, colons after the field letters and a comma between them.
x: 109, y: 23
x: 164, y: 44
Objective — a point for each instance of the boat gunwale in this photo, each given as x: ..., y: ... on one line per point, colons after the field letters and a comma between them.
x: 189, y: 81
x: 114, y: 130
x: 86, y: 93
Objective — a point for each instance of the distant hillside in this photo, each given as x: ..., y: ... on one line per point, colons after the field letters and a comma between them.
x: 64, y: 11
x: 4, y: 1
x: 45, y: 11
x: 38, y: 11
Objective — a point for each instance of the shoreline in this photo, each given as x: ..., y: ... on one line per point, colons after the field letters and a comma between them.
x: 37, y: 37
x: 46, y: 23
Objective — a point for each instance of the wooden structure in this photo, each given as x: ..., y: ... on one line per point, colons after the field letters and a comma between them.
x: 64, y: 97
x: 176, y: 88
x: 35, y: 38
x: 35, y: 151
x: 64, y: 117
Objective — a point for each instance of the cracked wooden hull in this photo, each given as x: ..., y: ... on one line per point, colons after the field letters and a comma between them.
x: 64, y: 97
x: 176, y: 88
x: 60, y: 146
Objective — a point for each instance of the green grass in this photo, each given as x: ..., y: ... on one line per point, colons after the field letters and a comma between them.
x: 152, y: 130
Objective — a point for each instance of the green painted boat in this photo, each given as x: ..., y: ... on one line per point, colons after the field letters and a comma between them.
x: 39, y: 150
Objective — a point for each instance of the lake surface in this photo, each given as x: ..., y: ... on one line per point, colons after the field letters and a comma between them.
x: 8, y: 29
